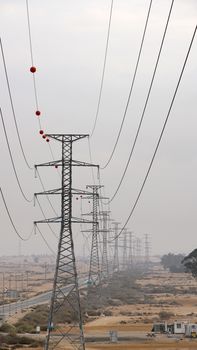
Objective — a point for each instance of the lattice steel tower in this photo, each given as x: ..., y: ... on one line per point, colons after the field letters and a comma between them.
x: 116, y: 248
x: 94, y: 269
x: 104, y: 230
x: 146, y: 248
x: 130, y: 257
x: 124, y: 256
x: 65, y: 293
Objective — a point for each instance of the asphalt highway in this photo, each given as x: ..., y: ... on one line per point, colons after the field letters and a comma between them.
x: 43, y: 298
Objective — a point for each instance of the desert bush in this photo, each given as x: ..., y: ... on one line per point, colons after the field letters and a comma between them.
x: 165, y: 315
x: 7, y: 328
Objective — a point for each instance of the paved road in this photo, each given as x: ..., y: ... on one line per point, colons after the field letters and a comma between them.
x: 12, y: 308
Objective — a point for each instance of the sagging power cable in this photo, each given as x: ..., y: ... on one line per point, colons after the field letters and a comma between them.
x: 160, y: 138
x: 145, y: 105
x: 12, y: 105
x: 44, y: 239
x: 131, y: 87
x: 11, y: 220
x: 12, y: 161
x: 103, y: 70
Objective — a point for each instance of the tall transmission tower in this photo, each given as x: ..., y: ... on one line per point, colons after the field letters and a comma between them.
x: 130, y: 257
x: 116, y: 266
x: 146, y: 248
x: 124, y: 256
x: 65, y: 294
x: 138, y: 250
x: 94, y: 269
x: 104, y: 230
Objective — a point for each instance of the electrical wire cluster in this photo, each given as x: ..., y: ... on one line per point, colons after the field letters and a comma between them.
x: 38, y: 113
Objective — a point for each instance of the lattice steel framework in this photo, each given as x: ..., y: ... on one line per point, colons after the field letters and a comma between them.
x: 146, y: 248
x: 124, y: 256
x: 130, y: 257
x: 94, y: 269
x: 116, y: 248
x: 104, y: 265
x: 65, y: 293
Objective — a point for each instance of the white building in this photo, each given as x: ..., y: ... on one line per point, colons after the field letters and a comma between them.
x: 191, y: 330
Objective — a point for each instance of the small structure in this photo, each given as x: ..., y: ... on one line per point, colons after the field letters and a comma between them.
x: 191, y: 330
x: 160, y: 327
x: 179, y: 327
x: 113, y: 336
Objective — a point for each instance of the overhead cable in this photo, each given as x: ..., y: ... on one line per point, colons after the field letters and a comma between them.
x: 12, y: 105
x: 145, y: 105
x: 12, y: 160
x: 160, y: 137
x: 44, y: 239
x: 32, y: 58
x: 43, y: 187
x: 45, y: 217
x: 103, y: 71
x: 131, y: 88
x: 11, y: 220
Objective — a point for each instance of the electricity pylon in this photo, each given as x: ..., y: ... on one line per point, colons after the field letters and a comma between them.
x: 130, y: 257
x: 94, y: 269
x: 124, y: 257
x: 138, y: 250
x: 104, y: 230
x: 116, y: 255
x: 65, y: 294
x: 147, y: 248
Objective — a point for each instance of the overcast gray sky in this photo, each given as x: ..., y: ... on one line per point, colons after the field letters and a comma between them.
x: 68, y: 44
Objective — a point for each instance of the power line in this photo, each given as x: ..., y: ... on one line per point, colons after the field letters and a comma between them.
x: 160, y: 137
x: 12, y: 161
x: 103, y: 71
x: 45, y: 217
x: 12, y: 104
x: 11, y: 220
x: 32, y: 60
x: 131, y: 88
x: 146, y: 102
x: 43, y: 187
x: 49, y: 247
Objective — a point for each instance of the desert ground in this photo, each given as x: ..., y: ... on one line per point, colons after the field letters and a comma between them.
x: 167, y: 297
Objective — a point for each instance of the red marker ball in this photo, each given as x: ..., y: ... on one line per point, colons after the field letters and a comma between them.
x: 56, y: 166
x: 77, y: 198
x: 41, y: 132
x: 33, y: 69
x: 47, y: 140
x: 44, y: 136
x: 38, y: 113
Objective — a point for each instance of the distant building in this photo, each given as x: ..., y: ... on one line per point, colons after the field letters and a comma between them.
x: 160, y: 327
x: 191, y: 330
x: 176, y: 327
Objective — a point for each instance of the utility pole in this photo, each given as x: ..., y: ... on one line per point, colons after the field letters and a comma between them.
x: 116, y: 255
x: 104, y: 230
x: 65, y: 294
